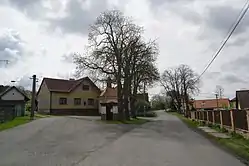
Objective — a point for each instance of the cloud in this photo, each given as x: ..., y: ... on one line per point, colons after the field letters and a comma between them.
x: 221, y: 18
x: 11, y: 46
x: 157, y: 3
x: 79, y: 15
x: 240, y: 41
x: 25, y: 81
x: 212, y: 75
x: 237, y: 65
x: 31, y: 8
x: 232, y: 79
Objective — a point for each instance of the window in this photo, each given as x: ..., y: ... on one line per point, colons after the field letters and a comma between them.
x: 85, y: 87
x: 77, y: 101
x: 90, y: 101
x: 63, y: 101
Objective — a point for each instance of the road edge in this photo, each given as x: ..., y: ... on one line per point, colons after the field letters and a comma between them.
x: 214, y: 141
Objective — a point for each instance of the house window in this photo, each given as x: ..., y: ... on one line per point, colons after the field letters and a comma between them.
x: 63, y: 101
x: 77, y: 101
x: 90, y: 101
x: 85, y: 87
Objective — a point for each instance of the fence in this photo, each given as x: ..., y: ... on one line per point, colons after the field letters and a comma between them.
x: 7, y: 114
x: 236, y: 120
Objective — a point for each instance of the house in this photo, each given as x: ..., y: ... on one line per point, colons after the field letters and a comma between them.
x: 13, y: 99
x: 242, y: 99
x: 211, y: 104
x: 108, y: 101
x: 68, y: 97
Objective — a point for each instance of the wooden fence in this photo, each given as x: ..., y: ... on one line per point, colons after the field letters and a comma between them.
x: 236, y: 120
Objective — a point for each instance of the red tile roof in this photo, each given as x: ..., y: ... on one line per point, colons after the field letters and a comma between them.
x: 210, y: 103
x: 109, y: 92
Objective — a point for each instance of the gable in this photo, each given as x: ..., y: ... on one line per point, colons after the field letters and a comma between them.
x: 13, y: 94
x: 86, y: 82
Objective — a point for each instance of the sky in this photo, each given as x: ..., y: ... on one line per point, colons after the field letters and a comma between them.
x: 37, y: 35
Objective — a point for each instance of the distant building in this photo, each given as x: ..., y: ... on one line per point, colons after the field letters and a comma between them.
x: 13, y: 99
x: 211, y: 104
x: 242, y: 99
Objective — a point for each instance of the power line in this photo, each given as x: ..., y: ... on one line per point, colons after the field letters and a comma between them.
x: 235, y: 25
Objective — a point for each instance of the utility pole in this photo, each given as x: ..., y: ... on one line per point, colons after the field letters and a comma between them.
x: 144, y: 99
x: 33, y: 106
x: 216, y: 95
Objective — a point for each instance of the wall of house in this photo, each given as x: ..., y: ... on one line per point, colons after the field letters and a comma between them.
x: 78, y: 92
x: 13, y: 95
x: 43, y: 99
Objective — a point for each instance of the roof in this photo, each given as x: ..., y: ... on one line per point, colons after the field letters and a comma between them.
x: 3, y: 88
x: 109, y: 92
x: 6, y: 89
x: 63, y: 85
x: 233, y: 99
x: 243, y: 98
x: 210, y: 103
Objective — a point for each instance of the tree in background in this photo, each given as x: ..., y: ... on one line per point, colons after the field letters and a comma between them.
x: 158, y: 102
x: 180, y: 83
x: 117, y: 50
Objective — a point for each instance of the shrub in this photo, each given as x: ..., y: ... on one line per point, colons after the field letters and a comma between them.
x: 148, y: 114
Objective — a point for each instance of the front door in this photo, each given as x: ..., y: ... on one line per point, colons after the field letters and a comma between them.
x: 18, y: 110
x: 109, y: 114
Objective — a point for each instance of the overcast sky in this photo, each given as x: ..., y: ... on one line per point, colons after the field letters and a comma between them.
x: 36, y: 35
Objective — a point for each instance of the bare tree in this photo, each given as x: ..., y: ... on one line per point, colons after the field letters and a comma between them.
x: 116, y: 50
x: 180, y: 83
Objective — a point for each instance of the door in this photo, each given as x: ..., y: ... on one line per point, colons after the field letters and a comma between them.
x: 109, y: 114
x: 18, y: 110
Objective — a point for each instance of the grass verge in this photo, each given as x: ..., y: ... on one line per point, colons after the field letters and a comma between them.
x: 236, y: 145
x: 19, y: 121
x: 132, y: 121
x: 16, y: 122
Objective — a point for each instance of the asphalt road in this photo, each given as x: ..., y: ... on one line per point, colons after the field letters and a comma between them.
x: 72, y: 141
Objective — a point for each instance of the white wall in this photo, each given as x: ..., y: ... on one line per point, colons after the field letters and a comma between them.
x: 102, y: 109
x: 13, y: 94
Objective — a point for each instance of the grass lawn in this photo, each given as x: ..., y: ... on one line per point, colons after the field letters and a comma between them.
x: 19, y: 121
x: 237, y: 144
x: 132, y: 121
x: 16, y: 122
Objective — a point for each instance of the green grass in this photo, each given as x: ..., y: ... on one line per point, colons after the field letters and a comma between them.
x: 132, y: 121
x: 186, y: 120
x: 16, y: 122
x: 237, y: 144
x: 19, y: 121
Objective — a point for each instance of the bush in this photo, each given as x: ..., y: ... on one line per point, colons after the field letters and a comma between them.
x: 27, y: 113
x: 148, y: 114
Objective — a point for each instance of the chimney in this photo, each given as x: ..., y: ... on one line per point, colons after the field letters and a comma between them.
x: 109, y: 82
